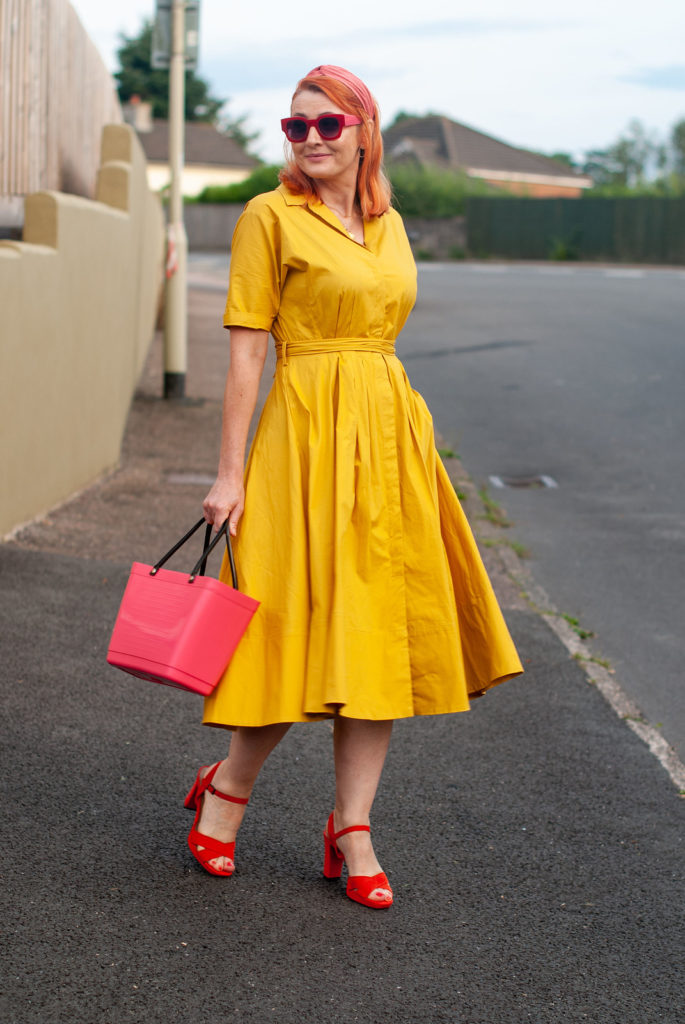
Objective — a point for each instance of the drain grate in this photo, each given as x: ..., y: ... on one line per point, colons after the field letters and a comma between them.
x: 524, y: 482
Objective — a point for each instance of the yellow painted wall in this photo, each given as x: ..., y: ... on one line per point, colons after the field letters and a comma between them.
x: 78, y: 300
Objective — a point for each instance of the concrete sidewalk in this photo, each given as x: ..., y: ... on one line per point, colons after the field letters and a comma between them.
x: 535, y: 845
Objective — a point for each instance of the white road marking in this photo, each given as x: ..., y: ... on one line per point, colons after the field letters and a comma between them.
x: 603, y: 678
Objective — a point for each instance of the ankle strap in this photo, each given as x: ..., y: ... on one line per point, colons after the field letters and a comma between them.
x: 351, y: 828
x: 206, y: 785
x: 224, y: 796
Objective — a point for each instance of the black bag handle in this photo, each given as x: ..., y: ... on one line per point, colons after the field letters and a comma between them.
x: 199, y: 567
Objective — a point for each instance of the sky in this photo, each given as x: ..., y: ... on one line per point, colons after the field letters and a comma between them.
x: 545, y: 76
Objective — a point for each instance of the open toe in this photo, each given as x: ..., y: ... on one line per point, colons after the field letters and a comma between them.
x: 369, y: 890
x: 215, y: 856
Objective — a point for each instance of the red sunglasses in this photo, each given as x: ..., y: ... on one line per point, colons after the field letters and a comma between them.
x: 329, y: 126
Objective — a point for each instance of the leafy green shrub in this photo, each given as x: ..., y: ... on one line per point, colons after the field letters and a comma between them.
x: 671, y: 186
x: 565, y: 248
x: 561, y: 250
x: 264, y: 179
x: 430, y: 193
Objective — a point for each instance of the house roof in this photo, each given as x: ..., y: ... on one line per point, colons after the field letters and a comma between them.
x: 450, y: 145
x: 203, y: 145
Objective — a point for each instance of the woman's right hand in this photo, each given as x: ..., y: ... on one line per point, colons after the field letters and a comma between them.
x: 226, y: 500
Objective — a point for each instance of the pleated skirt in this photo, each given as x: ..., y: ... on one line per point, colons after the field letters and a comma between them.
x: 375, y: 603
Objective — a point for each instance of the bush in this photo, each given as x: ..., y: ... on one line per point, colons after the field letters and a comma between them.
x: 264, y: 179
x: 565, y: 248
x: 422, y: 192
x: 672, y: 186
x: 417, y: 192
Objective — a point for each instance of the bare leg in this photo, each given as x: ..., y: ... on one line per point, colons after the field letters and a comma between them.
x: 236, y: 775
x: 360, y: 748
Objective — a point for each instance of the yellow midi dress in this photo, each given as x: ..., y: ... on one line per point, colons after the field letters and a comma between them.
x: 374, y: 601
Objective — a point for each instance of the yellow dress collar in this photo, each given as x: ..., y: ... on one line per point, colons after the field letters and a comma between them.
x: 371, y: 227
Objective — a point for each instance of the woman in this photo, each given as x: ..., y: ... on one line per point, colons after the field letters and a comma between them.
x: 375, y: 603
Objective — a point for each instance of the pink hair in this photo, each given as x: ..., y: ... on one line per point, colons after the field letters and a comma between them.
x: 373, y: 188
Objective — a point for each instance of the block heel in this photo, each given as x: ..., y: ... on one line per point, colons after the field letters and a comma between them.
x: 359, y: 887
x: 211, y: 848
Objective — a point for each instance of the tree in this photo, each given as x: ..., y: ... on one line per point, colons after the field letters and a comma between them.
x: 137, y: 77
x: 602, y: 168
x: 236, y: 128
x: 678, y: 148
x: 628, y: 162
x: 404, y: 115
x: 561, y: 157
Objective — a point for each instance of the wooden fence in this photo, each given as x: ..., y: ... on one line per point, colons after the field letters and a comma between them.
x: 55, y: 97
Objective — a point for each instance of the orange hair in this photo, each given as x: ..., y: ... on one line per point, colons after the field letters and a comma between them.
x: 373, y: 188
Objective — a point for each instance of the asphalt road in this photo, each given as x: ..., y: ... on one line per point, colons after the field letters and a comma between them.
x: 534, y: 845
x: 577, y: 373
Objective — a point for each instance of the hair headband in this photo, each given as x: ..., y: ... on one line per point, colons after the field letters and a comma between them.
x: 350, y: 80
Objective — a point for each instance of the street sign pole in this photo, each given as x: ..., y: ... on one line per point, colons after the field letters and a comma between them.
x: 176, y: 298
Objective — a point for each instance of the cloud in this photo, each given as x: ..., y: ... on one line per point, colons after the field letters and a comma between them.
x: 273, y: 66
x: 669, y: 77
x: 241, y: 72
x: 457, y: 27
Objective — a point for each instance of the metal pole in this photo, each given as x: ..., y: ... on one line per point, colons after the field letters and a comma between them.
x: 176, y: 299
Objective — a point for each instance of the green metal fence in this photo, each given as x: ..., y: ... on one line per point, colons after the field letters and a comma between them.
x: 640, y: 230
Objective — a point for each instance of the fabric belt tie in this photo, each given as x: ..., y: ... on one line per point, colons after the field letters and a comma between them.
x: 324, y: 346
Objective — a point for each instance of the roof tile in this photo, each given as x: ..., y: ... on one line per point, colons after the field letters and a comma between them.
x: 203, y: 145
x: 456, y: 146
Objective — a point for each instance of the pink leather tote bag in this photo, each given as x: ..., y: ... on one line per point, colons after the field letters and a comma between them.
x: 180, y: 629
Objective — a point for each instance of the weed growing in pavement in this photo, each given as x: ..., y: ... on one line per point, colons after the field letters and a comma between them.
x: 494, y: 513
x: 602, y: 662
x: 518, y: 549
x: 584, y: 634
x: 448, y: 453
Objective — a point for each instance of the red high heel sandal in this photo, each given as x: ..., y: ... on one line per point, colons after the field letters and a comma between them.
x: 213, y: 848
x: 359, y: 887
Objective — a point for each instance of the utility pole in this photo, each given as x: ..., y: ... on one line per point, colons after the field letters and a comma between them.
x: 176, y: 295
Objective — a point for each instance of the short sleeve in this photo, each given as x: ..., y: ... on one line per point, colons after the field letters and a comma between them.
x: 254, y: 287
